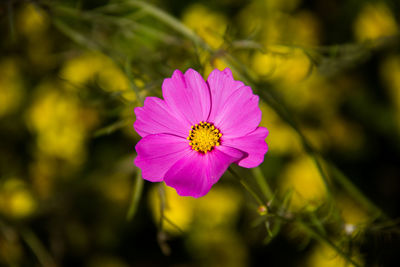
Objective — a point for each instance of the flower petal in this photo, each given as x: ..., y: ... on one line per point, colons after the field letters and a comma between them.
x: 195, y: 173
x: 239, y: 115
x: 253, y: 144
x: 187, y: 96
x: 222, y: 85
x: 155, y: 118
x: 156, y: 153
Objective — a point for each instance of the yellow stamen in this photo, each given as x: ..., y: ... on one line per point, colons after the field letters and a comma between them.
x: 204, y: 136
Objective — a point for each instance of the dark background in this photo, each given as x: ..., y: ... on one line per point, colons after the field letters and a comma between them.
x: 67, y: 141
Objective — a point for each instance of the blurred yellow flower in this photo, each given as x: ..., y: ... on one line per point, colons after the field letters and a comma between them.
x: 222, y: 247
x: 211, y: 63
x: 374, y: 20
x: 96, y: 67
x: 179, y: 210
x: 305, y: 29
x: 207, y: 23
x: 218, y: 209
x: 282, y: 64
x: 282, y: 139
x: 274, y: 27
x: 323, y: 255
x: 32, y: 21
x: 284, y: 5
x: 16, y: 200
x: 353, y: 215
x: 250, y: 19
x: 316, y: 96
x: 11, y: 86
x: 209, y: 222
x: 213, y: 238
x: 211, y: 27
x: 83, y: 68
x: 59, y: 123
x: 304, y: 179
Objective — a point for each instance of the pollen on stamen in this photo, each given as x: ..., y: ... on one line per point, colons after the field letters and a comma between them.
x: 203, y: 137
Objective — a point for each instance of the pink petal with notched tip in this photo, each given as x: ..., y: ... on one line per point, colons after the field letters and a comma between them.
x: 155, y: 118
x: 239, y: 115
x: 253, y: 144
x: 187, y: 96
x: 222, y: 85
x: 157, y: 153
x: 195, y: 173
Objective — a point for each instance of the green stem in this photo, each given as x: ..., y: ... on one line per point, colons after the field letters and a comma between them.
x: 284, y: 113
x: 247, y: 187
x: 162, y: 198
x: 74, y: 35
x: 169, y: 20
x: 262, y: 182
x: 37, y: 247
x: 161, y: 236
x: 325, y: 240
x: 136, y: 194
x: 355, y: 192
x: 322, y: 173
x: 11, y: 22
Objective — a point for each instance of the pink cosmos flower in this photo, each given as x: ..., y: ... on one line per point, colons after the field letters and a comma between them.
x: 192, y: 136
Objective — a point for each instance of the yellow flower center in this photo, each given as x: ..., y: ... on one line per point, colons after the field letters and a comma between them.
x: 203, y: 137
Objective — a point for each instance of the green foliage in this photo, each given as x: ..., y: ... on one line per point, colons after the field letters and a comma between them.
x: 73, y: 71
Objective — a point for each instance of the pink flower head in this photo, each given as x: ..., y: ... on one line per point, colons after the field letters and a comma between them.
x: 192, y: 136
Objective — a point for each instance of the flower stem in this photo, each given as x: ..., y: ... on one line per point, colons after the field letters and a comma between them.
x: 136, y: 194
x: 169, y: 20
x: 322, y: 173
x: 37, y: 248
x: 325, y: 240
x: 246, y: 186
x: 262, y: 182
x: 355, y: 192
